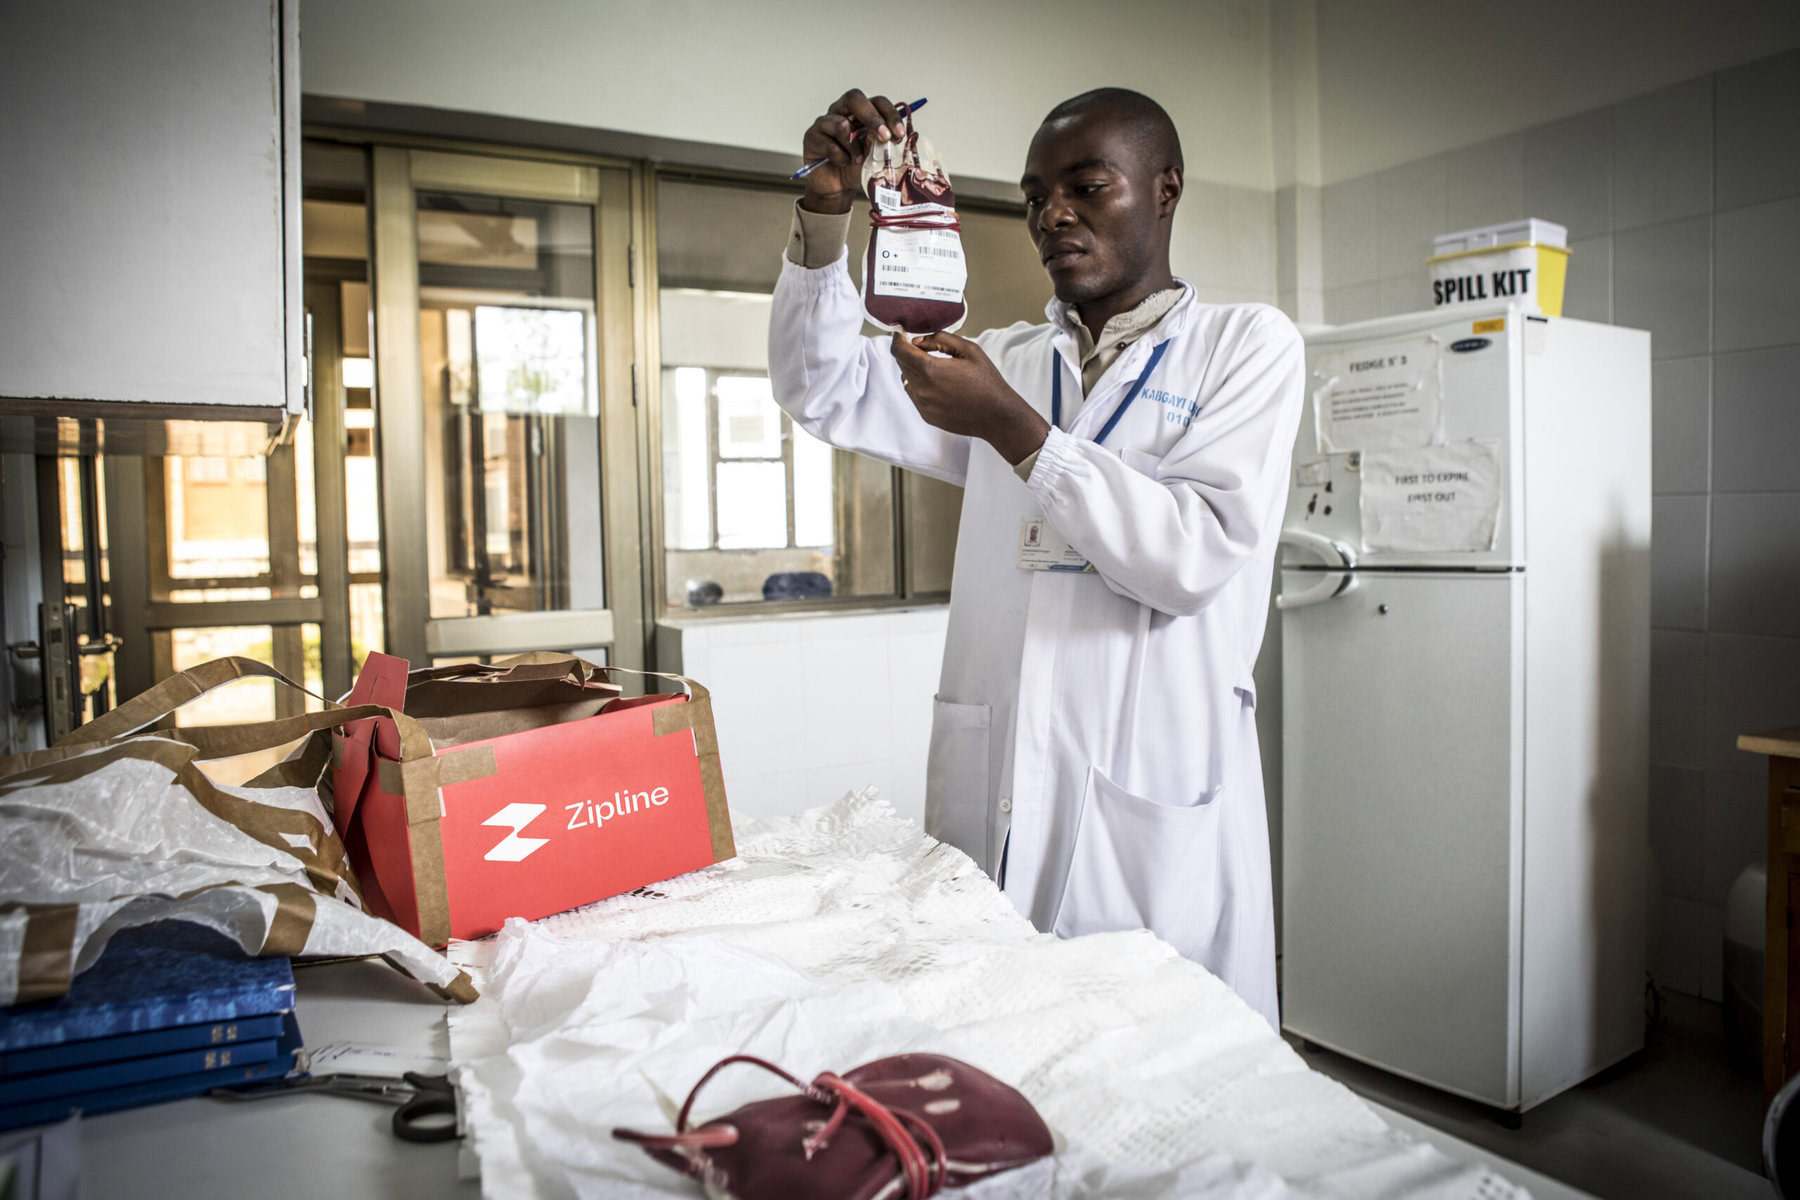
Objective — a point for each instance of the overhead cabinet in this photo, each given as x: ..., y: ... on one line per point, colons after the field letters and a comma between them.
x: 150, y: 210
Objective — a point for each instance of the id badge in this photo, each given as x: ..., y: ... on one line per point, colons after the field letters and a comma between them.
x: 1041, y: 550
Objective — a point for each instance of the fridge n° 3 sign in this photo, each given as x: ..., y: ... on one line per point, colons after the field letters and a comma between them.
x: 1386, y: 396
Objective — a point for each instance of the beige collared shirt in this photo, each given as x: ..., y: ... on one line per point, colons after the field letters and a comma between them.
x: 818, y: 238
x: 1097, y: 354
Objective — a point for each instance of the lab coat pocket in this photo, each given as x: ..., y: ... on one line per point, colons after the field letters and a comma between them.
x: 1141, y: 461
x: 1138, y: 864
x: 956, y: 778
x: 1245, y: 687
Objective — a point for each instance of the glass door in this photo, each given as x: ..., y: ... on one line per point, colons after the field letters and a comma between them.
x: 505, y: 419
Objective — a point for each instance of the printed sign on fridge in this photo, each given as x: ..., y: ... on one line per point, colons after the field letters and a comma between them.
x: 1431, y: 499
x: 1384, y: 396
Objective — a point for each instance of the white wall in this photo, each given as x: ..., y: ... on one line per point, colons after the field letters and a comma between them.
x: 757, y: 74
x: 1683, y: 209
x: 1400, y: 80
x: 810, y: 707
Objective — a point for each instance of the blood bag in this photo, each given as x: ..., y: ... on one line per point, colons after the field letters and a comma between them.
x: 913, y: 272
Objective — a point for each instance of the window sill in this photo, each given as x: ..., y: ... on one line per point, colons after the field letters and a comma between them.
x: 689, y: 618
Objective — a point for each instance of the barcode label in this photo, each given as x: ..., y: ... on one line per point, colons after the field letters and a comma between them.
x: 924, y: 264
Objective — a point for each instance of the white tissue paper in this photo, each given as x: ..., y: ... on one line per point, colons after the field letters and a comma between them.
x: 842, y: 935
x: 128, y: 845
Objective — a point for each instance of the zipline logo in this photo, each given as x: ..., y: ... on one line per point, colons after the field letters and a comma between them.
x: 584, y: 814
x: 512, y: 847
x: 590, y: 815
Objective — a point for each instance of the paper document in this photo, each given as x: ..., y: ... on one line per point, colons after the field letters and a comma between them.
x: 359, y: 1058
x: 1431, y: 499
x: 1380, y: 397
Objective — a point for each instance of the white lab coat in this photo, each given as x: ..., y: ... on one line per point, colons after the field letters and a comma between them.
x: 1098, y: 729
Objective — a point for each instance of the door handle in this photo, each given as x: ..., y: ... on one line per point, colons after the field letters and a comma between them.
x: 1332, y: 583
x: 1327, y: 550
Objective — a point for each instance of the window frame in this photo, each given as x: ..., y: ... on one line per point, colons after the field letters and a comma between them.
x: 714, y: 456
x: 651, y: 379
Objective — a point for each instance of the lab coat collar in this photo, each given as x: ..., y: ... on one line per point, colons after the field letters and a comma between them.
x: 1062, y: 318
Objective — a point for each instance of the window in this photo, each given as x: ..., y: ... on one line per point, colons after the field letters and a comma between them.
x: 511, y: 399
x: 753, y: 508
x: 748, y: 496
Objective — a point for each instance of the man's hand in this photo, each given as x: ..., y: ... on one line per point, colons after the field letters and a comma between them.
x: 966, y: 394
x: 832, y: 187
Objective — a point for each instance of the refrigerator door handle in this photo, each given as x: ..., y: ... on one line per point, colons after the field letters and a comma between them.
x: 1332, y: 583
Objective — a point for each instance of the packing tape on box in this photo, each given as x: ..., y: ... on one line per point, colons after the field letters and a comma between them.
x: 130, y: 832
x: 446, y: 769
x: 696, y: 717
x: 47, y: 951
x: 153, y: 705
x: 292, y: 921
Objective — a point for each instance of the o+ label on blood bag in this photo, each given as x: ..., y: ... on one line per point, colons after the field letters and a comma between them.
x: 925, y: 264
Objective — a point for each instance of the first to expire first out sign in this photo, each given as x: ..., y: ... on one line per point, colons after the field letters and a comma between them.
x: 1431, y: 498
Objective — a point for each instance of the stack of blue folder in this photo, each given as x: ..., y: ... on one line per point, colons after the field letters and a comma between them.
x: 169, y: 1010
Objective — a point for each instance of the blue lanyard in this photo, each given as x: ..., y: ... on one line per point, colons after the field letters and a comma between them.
x: 1056, y: 390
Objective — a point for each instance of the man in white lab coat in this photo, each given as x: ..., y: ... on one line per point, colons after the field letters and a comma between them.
x: 1094, y: 741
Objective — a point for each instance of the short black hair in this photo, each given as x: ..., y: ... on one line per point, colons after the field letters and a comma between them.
x: 1152, y: 132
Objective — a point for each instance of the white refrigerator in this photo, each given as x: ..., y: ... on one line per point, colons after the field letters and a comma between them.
x: 1464, y: 596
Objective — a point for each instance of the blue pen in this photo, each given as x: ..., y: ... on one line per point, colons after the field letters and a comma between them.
x: 816, y: 163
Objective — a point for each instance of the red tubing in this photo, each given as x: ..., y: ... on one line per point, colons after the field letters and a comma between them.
x: 710, y: 1137
x: 924, y: 1176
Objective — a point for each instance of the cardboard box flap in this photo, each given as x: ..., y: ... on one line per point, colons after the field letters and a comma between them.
x: 382, y: 681
x: 455, y: 698
x: 556, y: 667
x: 474, y: 727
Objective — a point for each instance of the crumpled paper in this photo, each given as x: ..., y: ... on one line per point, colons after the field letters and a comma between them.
x: 105, y: 840
x: 842, y: 935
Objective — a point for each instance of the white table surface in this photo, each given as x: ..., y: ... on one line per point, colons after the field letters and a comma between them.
x: 303, y: 1146
x: 308, y: 1146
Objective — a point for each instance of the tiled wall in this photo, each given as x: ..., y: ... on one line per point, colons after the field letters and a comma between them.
x: 1683, y: 208
x: 1225, y: 245
x: 811, y: 706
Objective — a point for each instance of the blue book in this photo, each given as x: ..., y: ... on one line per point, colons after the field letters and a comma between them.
x: 154, y: 977
x: 212, y: 1035
x: 175, y: 1087
x: 102, y: 1076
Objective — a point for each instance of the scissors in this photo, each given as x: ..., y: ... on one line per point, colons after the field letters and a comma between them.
x: 427, y: 1103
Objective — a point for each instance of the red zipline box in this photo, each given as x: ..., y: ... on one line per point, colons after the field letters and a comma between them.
x: 520, y: 790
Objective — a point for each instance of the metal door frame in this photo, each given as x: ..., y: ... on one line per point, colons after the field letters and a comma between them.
x: 398, y: 172
x: 137, y: 545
